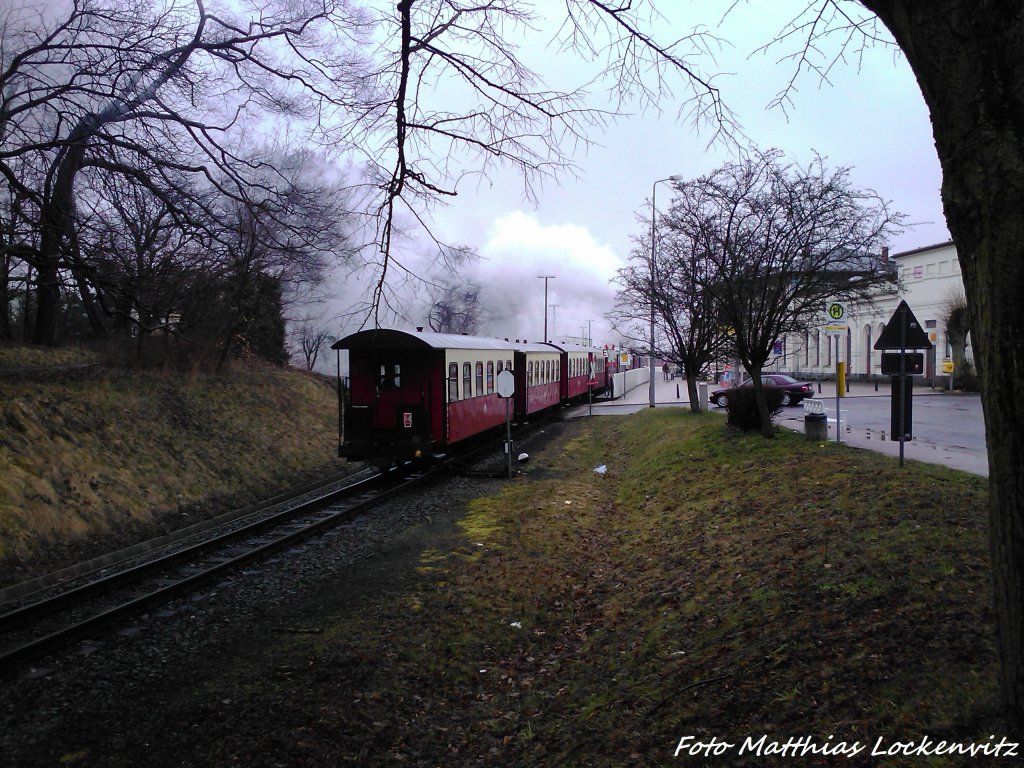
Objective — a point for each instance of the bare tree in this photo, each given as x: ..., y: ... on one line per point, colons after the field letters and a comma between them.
x: 666, y: 282
x: 771, y: 241
x: 308, y: 338
x: 151, y: 93
x: 452, y: 299
x: 494, y: 109
x: 957, y: 317
x: 137, y: 252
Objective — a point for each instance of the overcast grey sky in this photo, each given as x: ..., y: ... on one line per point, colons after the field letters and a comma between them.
x: 871, y: 117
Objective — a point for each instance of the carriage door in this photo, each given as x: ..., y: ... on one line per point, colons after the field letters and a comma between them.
x: 400, y: 392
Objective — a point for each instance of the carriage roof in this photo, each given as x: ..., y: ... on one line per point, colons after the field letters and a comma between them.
x: 391, y: 338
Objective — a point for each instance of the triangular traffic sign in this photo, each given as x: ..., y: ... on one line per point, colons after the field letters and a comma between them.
x: 903, y: 331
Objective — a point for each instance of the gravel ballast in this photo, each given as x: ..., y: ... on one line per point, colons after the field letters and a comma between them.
x: 119, y: 700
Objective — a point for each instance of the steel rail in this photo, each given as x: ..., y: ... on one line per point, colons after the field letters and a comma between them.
x: 13, y: 658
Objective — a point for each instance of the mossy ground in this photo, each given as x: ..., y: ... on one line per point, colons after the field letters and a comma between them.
x: 709, y: 584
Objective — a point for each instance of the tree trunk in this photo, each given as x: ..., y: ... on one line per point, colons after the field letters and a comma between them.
x: 55, y: 226
x: 5, y: 298
x: 691, y: 390
x: 767, y: 428
x: 966, y: 57
x: 47, y: 304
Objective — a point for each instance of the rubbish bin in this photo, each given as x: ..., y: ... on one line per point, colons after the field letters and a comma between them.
x: 815, y: 421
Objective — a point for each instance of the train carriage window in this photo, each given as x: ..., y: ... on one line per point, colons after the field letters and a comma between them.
x: 453, y: 382
x: 467, y: 381
x: 390, y: 376
x: 529, y: 374
x: 479, y: 379
x: 501, y: 366
x: 490, y: 377
x: 508, y: 365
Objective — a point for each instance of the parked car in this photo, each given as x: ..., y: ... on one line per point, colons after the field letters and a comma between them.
x: 793, y: 391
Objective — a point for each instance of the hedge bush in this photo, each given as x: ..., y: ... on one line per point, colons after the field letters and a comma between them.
x: 741, y: 410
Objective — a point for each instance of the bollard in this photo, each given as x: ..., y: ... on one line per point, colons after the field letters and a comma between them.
x: 815, y: 421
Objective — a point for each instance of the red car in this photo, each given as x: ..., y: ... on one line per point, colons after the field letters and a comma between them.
x: 793, y: 391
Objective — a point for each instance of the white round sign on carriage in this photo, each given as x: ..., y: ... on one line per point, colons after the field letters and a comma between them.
x: 506, y: 384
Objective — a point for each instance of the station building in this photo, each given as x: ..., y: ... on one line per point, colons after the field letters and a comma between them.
x: 930, y: 279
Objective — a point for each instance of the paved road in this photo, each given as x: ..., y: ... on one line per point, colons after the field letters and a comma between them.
x: 948, y: 427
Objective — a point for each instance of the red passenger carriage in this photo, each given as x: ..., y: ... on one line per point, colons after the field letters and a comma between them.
x: 537, y: 371
x: 583, y: 370
x: 418, y: 394
x: 415, y: 394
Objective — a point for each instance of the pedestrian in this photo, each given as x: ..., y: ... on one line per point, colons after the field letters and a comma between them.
x: 664, y: 370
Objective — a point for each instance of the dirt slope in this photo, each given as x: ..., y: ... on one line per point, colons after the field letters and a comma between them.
x: 91, y: 458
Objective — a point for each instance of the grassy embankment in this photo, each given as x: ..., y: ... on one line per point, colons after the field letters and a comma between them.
x: 710, y: 584
x: 92, y: 461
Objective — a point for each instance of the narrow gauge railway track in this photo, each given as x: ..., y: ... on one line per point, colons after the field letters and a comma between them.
x: 84, y: 608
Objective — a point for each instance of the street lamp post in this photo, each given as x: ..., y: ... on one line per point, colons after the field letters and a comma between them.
x: 654, y: 216
x: 545, y: 278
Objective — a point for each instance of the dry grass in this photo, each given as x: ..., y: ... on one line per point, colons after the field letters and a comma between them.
x: 82, y: 458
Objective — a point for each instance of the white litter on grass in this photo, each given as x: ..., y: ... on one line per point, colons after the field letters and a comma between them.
x: 516, y: 624
x: 524, y: 457
x: 601, y: 469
